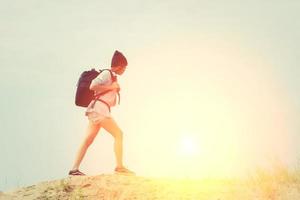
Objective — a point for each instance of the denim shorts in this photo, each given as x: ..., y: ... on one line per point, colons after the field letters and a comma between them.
x: 98, y: 113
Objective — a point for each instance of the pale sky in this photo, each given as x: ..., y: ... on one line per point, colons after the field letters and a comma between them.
x: 221, y: 76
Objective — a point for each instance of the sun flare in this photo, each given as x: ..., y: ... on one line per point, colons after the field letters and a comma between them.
x: 189, y: 146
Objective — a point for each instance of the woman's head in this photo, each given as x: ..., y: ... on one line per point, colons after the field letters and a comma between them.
x: 118, y: 63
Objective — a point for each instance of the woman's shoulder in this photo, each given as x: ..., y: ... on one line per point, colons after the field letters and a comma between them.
x: 103, y: 77
x: 106, y: 74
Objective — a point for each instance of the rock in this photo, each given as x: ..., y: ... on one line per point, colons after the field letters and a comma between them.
x: 112, y: 186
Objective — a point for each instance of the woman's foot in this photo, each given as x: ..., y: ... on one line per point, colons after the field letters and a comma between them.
x: 76, y: 172
x: 123, y: 170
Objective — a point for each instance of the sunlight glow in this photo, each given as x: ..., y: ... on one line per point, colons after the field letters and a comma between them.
x: 189, y: 146
x: 213, y: 111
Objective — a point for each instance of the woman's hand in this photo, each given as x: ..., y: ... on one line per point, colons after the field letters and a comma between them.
x: 115, y: 85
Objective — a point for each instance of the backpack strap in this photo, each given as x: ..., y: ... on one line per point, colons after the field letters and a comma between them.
x: 102, y: 102
x: 96, y: 97
x: 113, y: 78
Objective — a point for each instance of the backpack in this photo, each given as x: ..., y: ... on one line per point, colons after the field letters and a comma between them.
x: 83, y: 93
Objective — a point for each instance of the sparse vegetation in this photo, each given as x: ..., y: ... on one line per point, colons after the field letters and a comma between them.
x: 277, y: 183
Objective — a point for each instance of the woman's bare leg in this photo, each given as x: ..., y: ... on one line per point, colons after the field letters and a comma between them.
x: 91, y: 133
x: 111, y: 126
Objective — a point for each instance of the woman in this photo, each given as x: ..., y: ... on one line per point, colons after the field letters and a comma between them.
x: 98, y: 112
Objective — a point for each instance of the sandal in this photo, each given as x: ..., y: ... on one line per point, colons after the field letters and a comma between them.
x: 76, y: 172
x: 123, y: 170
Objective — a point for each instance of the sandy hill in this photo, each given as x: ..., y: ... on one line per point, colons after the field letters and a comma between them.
x: 121, y: 187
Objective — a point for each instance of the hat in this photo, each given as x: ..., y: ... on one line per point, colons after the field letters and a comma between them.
x: 118, y: 59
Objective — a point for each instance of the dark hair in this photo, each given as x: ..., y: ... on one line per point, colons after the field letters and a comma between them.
x: 118, y: 59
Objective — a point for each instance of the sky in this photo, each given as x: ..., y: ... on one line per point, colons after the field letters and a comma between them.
x: 211, y: 88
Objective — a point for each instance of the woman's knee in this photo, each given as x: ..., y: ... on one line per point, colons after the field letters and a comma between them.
x: 90, y: 138
x: 88, y: 141
x: 91, y: 133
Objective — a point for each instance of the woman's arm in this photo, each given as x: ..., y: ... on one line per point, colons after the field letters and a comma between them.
x: 100, y: 83
x: 101, y: 88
